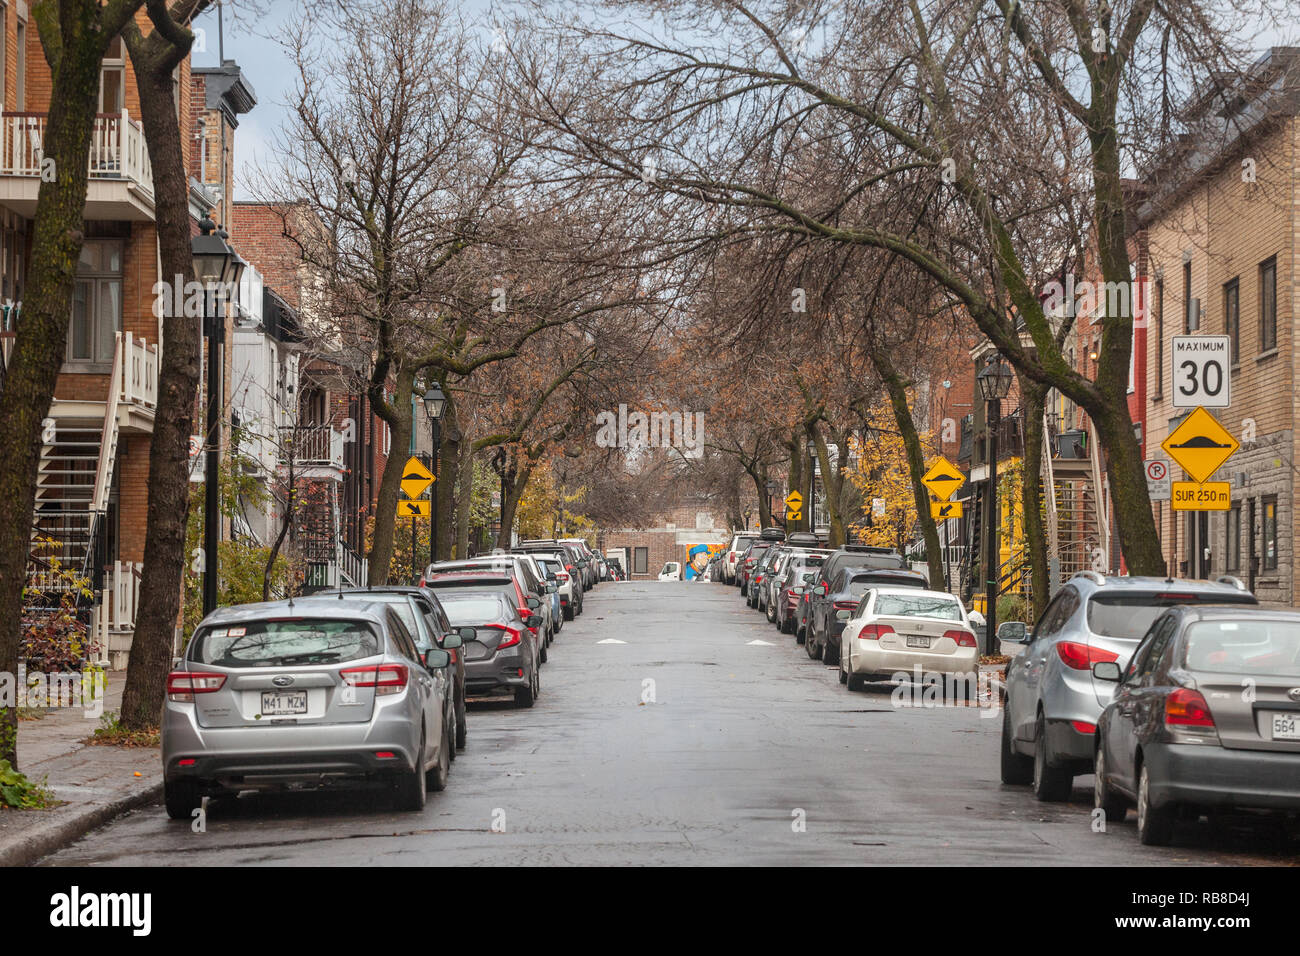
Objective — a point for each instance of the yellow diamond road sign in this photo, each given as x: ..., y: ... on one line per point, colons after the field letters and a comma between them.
x: 794, y: 501
x: 943, y: 479
x: 943, y: 510
x: 416, y: 478
x: 415, y: 509
x: 1200, y: 445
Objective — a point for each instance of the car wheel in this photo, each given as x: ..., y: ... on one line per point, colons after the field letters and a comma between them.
x: 526, y: 696
x: 1016, y: 768
x: 800, y: 635
x: 1051, y: 784
x: 856, y: 682
x: 542, y: 653
x: 436, y: 779
x: 844, y: 675
x: 770, y: 612
x: 462, y: 732
x: 1113, y: 806
x: 182, y: 798
x: 568, y: 613
x: 413, y: 785
x: 810, y: 645
x: 830, y: 652
x: 1155, y: 827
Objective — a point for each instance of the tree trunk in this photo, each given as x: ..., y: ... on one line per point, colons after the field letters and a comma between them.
x: 515, y: 485
x: 1032, y: 396
x: 178, y: 383
x: 896, y: 387
x: 47, y: 303
x: 832, y: 483
x: 398, y: 415
x: 796, y: 480
x: 464, y: 498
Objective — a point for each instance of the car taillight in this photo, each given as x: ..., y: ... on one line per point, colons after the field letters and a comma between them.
x: 874, y: 632
x: 384, y: 678
x: 183, y: 685
x: 846, y: 605
x: 962, y: 638
x: 512, y: 635
x: 1187, y: 708
x: 1081, y: 657
x: 1083, y: 727
x: 561, y: 576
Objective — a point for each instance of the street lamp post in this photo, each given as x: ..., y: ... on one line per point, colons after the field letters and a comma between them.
x: 995, y: 383
x: 434, y: 403
x: 217, y: 267
x: 812, y: 486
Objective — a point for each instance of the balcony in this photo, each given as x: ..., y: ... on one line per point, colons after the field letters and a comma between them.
x: 316, y: 452
x: 121, y: 179
x: 133, y: 386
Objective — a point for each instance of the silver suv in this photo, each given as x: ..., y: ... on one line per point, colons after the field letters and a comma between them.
x: 1053, y: 701
x: 268, y: 695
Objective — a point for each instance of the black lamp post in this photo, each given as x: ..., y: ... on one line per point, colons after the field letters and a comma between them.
x: 434, y: 403
x: 218, y: 268
x: 812, y: 486
x: 994, y: 381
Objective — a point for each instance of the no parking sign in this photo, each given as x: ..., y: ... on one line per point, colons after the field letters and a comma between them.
x: 1157, y: 472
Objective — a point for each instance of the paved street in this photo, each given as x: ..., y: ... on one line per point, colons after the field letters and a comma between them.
x: 739, y: 736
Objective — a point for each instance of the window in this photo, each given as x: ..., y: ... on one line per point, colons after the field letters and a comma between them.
x: 96, y: 304
x: 1232, y: 318
x: 20, y: 67
x: 112, y: 78
x: 1160, y: 337
x: 1190, y: 319
x: 1268, y: 304
x: 640, y: 560
x: 1270, y: 533
x: 1232, y: 539
x: 4, y: 34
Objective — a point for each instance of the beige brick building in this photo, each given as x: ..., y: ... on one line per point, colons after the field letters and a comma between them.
x: 1223, y: 226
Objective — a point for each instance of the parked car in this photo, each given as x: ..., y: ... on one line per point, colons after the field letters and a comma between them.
x: 774, y: 597
x: 758, y: 575
x: 752, y: 555
x: 504, y: 580
x: 422, y: 613
x: 308, y: 692
x: 672, y: 571
x: 901, y: 629
x: 568, y: 579
x: 1049, y: 717
x: 788, y: 589
x: 739, y: 542
x: 1205, y: 717
x: 577, y: 564
x: 553, y: 570
x: 832, y: 604
x: 588, y: 560
x: 529, y: 574
x: 502, y: 656
x: 852, y: 555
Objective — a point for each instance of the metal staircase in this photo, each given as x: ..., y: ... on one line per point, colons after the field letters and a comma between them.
x: 1078, y: 526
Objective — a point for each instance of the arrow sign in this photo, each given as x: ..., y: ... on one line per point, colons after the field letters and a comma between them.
x: 415, y: 509
x: 943, y: 479
x: 1200, y: 445
x: 943, y: 510
x: 416, y: 478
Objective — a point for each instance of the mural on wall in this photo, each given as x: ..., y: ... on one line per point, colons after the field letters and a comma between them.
x: 697, y: 558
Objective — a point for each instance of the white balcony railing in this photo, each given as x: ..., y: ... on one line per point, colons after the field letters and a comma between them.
x: 320, y: 445
x: 139, y: 371
x: 121, y: 600
x: 117, y: 148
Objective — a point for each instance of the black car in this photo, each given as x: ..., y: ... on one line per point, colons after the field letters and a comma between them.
x: 423, y: 615
x: 1205, y: 717
x: 833, y: 603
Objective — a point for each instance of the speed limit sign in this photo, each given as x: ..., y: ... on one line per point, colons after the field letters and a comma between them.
x: 1200, y: 364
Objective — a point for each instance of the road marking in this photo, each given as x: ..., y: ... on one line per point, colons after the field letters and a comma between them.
x: 611, y: 640
x: 761, y: 643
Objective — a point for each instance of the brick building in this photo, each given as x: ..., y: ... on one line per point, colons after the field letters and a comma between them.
x: 668, y: 538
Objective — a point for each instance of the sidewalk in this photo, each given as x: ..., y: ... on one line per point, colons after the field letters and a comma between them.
x: 95, y: 783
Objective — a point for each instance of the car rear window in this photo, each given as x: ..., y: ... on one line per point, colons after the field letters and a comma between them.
x: 277, y: 643
x: 1130, y: 616
x: 860, y: 585
x: 922, y: 605
x: 1244, y: 647
x: 469, y: 607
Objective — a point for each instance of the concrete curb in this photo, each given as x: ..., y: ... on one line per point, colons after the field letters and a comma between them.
x: 76, y: 822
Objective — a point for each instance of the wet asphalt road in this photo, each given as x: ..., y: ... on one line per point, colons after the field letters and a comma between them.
x: 739, y: 738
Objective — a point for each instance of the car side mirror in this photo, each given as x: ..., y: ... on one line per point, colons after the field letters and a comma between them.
x: 451, y: 642
x: 533, y: 604
x: 551, y: 576
x: 1106, y: 670
x: 551, y: 588
x: 436, y: 658
x: 823, y: 589
x: 467, y: 633
x: 1013, y: 632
